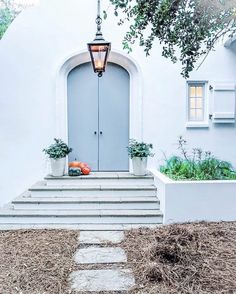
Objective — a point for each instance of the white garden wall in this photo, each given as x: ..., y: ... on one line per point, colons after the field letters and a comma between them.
x: 31, y: 54
x: 184, y: 201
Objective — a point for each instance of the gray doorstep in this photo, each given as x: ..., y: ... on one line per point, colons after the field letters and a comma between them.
x: 102, y: 280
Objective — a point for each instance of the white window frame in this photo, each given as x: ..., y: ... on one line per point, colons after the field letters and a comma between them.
x: 204, y: 123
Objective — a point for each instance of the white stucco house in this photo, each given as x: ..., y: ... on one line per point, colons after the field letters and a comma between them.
x: 45, y: 66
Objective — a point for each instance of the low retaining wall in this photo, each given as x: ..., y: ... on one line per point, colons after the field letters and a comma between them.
x: 184, y: 201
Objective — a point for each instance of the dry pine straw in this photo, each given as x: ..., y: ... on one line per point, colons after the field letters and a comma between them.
x: 36, y: 261
x: 183, y: 259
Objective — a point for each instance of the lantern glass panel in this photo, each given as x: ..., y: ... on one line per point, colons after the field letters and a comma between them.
x: 99, y: 53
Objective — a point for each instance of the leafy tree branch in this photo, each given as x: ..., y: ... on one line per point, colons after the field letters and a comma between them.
x: 9, y: 9
x: 191, y: 26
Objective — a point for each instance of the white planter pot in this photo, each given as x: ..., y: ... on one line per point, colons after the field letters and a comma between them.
x: 139, y: 166
x: 58, y: 166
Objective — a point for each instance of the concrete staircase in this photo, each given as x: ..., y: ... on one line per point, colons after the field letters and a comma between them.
x: 100, y: 201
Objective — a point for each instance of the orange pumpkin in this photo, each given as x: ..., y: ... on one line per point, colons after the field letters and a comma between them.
x: 85, y: 170
x: 74, y: 163
x: 83, y: 164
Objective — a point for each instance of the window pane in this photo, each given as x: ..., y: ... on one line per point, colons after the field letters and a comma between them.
x: 199, y: 114
x: 192, y: 103
x: 192, y: 114
x: 196, y: 100
x: 199, y: 91
x: 192, y: 91
x: 199, y: 103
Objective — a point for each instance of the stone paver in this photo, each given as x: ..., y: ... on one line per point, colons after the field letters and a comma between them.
x: 94, y: 255
x: 102, y: 280
x: 100, y: 237
x: 93, y: 250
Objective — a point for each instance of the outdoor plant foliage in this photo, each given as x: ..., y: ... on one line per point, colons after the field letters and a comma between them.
x: 186, y: 29
x: 136, y: 149
x: 9, y: 10
x: 7, y: 15
x: 196, y: 165
x: 57, y: 150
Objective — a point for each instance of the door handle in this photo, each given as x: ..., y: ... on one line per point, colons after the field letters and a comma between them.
x: 101, y: 133
x: 95, y: 133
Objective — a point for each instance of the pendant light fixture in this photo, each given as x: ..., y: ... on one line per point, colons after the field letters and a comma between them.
x: 99, y: 49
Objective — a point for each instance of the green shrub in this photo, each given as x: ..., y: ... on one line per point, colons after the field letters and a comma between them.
x: 199, y: 165
x: 136, y: 149
x: 57, y: 150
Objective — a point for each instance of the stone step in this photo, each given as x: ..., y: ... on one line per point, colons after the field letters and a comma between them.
x: 80, y: 216
x: 40, y: 189
x: 100, y: 178
x: 103, y: 280
x: 78, y: 227
x: 98, y: 255
x: 100, y: 237
x: 25, y: 201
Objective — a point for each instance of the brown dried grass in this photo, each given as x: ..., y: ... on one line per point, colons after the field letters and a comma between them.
x: 36, y: 261
x: 195, y: 258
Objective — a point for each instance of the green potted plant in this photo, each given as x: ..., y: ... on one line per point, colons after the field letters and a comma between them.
x: 57, y: 153
x: 139, y: 153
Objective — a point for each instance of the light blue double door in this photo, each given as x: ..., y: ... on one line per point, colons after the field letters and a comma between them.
x: 98, y: 117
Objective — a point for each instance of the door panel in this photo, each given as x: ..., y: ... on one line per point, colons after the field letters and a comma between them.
x: 83, y: 114
x: 114, y: 119
x: 99, y: 105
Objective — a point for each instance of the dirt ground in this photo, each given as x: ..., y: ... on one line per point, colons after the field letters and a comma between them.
x: 36, y: 261
x: 183, y: 259
x: 177, y: 259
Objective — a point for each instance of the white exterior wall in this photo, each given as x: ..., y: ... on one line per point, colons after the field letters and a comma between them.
x: 31, y: 53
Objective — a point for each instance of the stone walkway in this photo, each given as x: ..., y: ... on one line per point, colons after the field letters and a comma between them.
x: 93, y: 251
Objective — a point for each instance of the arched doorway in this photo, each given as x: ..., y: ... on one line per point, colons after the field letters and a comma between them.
x: 98, y: 117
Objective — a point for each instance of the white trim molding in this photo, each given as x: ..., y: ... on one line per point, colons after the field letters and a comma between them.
x: 136, y: 95
x: 190, y: 125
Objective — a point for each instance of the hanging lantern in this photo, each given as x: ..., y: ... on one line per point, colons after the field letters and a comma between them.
x: 99, y: 48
